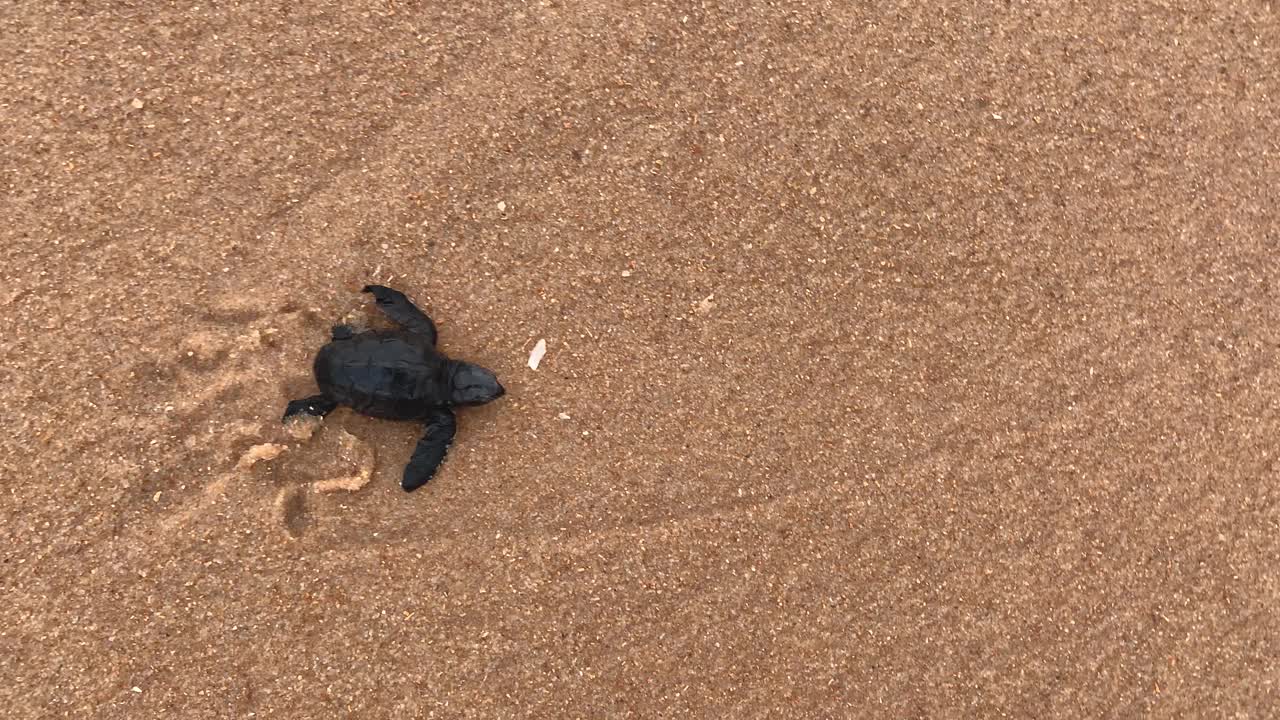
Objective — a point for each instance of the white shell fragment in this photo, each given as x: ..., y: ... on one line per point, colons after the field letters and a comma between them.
x: 535, y: 357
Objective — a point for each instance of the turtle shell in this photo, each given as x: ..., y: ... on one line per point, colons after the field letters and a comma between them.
x: 392, y: 375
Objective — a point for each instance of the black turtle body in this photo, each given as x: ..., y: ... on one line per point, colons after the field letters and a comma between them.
x: 398, y: 375
x: 391, y: 375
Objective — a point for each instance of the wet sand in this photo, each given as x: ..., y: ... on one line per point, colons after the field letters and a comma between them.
x: 903, y: 360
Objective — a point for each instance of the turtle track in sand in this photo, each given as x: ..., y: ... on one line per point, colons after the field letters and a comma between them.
x: 220, y: 391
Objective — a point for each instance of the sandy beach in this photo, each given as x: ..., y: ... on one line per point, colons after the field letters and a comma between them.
x: 903, y: 360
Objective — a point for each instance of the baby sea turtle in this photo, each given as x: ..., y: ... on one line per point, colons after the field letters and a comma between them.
x: 398, y: 375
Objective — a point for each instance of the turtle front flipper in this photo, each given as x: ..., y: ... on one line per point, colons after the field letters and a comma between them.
x: 431, y: 449
x: 315, y: 406
x: 400, y: 309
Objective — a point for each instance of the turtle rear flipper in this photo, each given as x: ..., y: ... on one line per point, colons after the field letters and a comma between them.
x: 400, y: 309
x: 431, y: 450
x: 315, y: 406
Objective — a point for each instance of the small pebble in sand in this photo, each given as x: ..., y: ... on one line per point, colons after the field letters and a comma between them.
x: 137, y: 103
x: 539, y: 351
x: 563, y: 416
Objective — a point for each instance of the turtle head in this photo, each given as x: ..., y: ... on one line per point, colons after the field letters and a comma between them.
x: 474, y: 385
